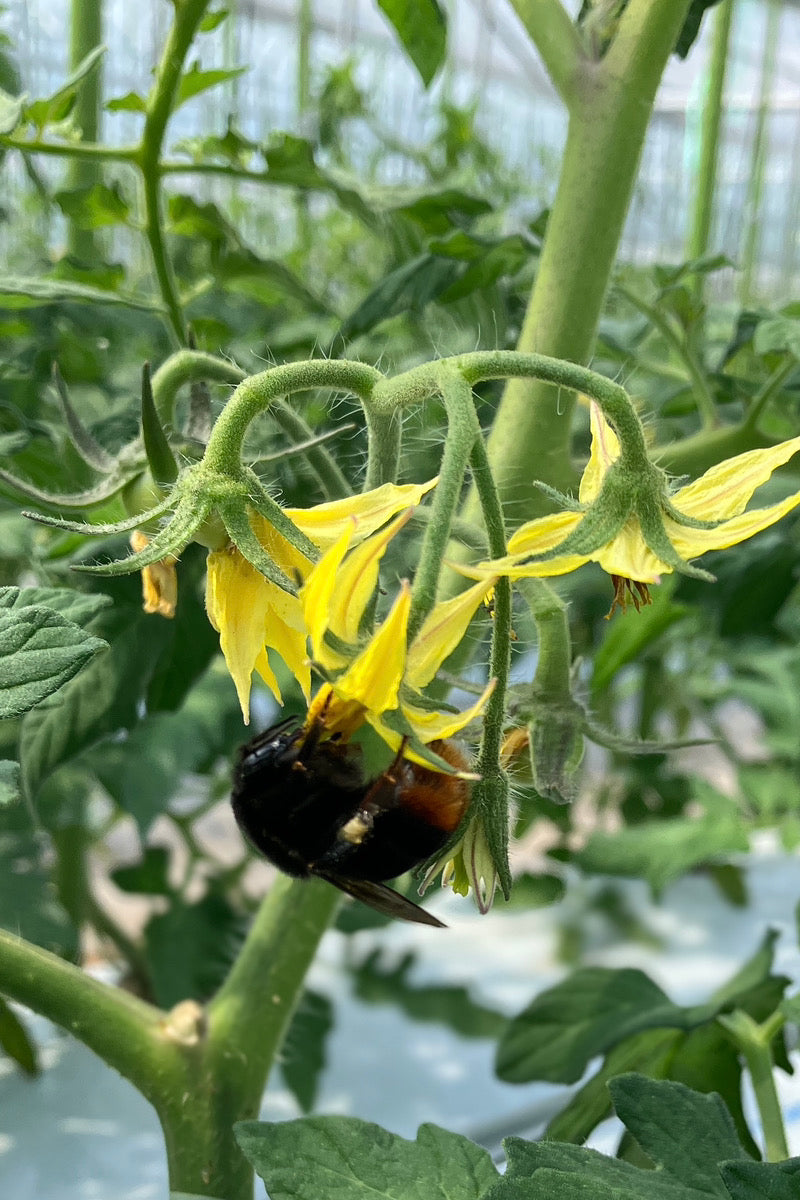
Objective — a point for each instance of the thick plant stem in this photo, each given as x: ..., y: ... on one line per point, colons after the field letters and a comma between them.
x: 609, y: 115
x: 246, y: 1023
x: 85, y: 33
x: 703, y: 195
x: 121, y: 1029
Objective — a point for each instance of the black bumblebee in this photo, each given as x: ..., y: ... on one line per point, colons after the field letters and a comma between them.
x: 304, y: 803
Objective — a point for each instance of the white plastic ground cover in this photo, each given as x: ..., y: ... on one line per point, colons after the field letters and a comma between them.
x: 79, y: 1132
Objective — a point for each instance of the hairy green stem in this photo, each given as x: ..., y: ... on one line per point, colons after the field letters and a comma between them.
x: 78, y: 150
x: 256, y: 393
x: 462, y: 432
x: 554, y: 660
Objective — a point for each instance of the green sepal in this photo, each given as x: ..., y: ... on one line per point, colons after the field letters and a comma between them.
x: 169, y: 541
x: 271, y: 511
x: 88, y: 448
x: 160, y: 458
x: 569, y: 503
x: 241, y: 532
x: 100, y: 529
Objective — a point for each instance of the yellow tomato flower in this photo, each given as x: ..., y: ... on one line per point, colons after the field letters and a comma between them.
x: 253, y: 615
x: 720, y: 495
x: 386, y: 675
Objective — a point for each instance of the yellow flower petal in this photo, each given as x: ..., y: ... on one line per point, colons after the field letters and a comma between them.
x: 543, y: 534
x: 441, y: 632
x: 374, y: 677
x: 604, y: 452
x: 316, y: 593
x: 325, y: 522
x: 513, y: 566
x: 629, y: 556
x: 268, y: 675
x: 428, y: 726
x: 725, y: 489
x: 357, y: 580
x: 692, y: 542
x: 235, y: 605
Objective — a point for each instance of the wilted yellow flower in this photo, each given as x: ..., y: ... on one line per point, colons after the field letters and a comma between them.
x: 254, y: 615
x: 159, y: 580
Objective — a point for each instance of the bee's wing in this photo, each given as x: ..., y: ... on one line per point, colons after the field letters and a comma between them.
x: 383, y: 899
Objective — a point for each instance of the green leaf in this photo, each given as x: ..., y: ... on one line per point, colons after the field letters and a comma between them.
x: 661, y: 851
x: 683, y: 1132
x: 537, y: 891
x: 9, y: 782
x: 22, y: 292
x: 196, y: 80
x: 409, y: 287
x: 303, y: 1052
x: 28, y: 905
x: 565, y: 1026
x: 422, y: 29
x: 355, y: 1160
x: 104, y: 698
x: 57, y: 106
x: 438, y: 212
x: 649, y: 1052
x: 691, y: 26
x: 212, y: 19
x: 555, y: 1171
x: 778, y: 334
x: 190, y: 948
x: 11, y: 109
x: 78, y: 607
x: 143, y: 771
x: 94, y: 207
x: 130, y: 102
x: 42, y: 652
x: 762, y: 1181
x: 15, y: 1040
x: 148, y: 877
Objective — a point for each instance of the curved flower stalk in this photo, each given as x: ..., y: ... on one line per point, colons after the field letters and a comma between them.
x: 253, y: 614
x: 379, y: 681
x: 653, y: 533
